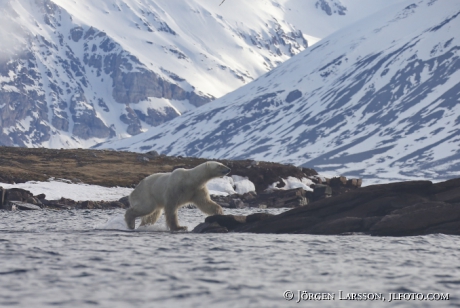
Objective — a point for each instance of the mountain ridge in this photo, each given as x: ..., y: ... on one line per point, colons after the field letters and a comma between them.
x: 345, y: 105
x: 73, y: 74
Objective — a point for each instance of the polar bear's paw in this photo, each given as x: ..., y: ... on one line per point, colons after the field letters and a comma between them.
x: 179, y: 228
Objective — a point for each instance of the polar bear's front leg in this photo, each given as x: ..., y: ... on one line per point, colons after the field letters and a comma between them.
x: 172, y: 220
x: 209, y: 207
x: 206, y: 205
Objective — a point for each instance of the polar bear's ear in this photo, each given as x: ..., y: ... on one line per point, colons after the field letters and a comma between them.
x: 207, y: 164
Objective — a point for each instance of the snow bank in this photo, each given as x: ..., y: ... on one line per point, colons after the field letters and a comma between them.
x: 221, y: 186
x: 242, y: 184
x: 230, y: 185
x: 293, y: 183
x: 56, y: 189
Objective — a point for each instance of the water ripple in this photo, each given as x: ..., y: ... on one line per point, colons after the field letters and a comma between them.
x: 68, y: 259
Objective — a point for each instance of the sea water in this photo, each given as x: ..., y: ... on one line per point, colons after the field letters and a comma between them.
x: 81, y: 258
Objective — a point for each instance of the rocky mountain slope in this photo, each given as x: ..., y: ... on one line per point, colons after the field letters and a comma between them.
x: 378, y: 99
x: 74, y: 73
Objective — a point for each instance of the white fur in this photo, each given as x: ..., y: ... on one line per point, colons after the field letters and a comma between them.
x: 169, y: 191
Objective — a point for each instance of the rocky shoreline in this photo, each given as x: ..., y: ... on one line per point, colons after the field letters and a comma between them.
x: 120, y: 168
x: 396, y: 209
x: 334, y: 206
x: 21, y: 199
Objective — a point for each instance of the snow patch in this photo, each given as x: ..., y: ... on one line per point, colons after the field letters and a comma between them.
x: 243, y: 184
x: 221, y: 186
x: 57, y: 189
x: 293, y: 183
x: 230, y: 185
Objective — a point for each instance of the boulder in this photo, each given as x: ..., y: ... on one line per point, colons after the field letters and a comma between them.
x: 207, y: 227
x: 9, y: 197
x: 321, y: 191
x: 415, y: 219
x: 124, y: 201
x: 228, y: 221
x: 258, y: 217
x: 23, y: 206
x: 236, y: 203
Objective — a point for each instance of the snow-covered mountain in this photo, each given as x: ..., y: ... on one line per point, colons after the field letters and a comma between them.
x: 74, y: 73
x: 379, y: 99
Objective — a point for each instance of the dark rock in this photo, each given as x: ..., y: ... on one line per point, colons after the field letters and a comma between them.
x: 88, y: 205
x: 309, y: 172
x: 452, y: 195
x: 338, y: 181
x: 76, y: 33
x: 321, y: 191
x: 293, y: 95
x: 115, y: 204
x: 416, y: 219
x: 445, y: 228
x: 237, y: 204
x: 338, y: 226
x: 444, y: 186
x: 152, y: 154
x: 281, y: 225
x: 206, y: 227
x: 228, y: 221
x: 2, y: 197
x: 17, y: 194
x: 125, y: 201
x: 249, y: 196
x: 130, y: 118
x: 354, y: 183
x: 23, y: 206
x: 331, y: 8
x: 395, y: 209
x: 258, y: 217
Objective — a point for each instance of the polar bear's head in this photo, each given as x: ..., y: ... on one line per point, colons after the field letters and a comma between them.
x: 217, y: 169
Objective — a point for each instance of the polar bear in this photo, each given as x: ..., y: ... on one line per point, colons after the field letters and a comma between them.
x: 169, y: 191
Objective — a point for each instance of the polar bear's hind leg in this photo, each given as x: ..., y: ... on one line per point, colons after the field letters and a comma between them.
x: 131, y: 214
x: 151, y: 218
